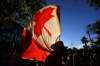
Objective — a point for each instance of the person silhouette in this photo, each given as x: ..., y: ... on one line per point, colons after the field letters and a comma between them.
x: 55, y: 58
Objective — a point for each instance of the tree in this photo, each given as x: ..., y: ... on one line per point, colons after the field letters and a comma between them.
x: 94, y: 29
x: 90, y: 31
x: 97, y: 31
x: 95, y: 3
x: 19, y: 10
x: 26, y: 9
x: 84, y: 40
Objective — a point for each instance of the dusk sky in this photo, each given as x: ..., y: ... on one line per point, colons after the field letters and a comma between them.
x: 75, y: 15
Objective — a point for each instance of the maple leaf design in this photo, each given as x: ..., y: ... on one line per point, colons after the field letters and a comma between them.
x: 41, y: 17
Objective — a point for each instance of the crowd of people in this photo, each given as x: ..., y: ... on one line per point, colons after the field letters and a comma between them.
x: 61, y: 56
x: 82, y: 57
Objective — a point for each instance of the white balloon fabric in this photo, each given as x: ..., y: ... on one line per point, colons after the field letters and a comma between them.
x: 47, y: 21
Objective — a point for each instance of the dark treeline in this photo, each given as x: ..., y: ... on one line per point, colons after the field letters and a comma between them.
x: 70, y: 57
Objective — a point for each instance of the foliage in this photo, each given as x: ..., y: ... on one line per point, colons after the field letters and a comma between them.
x: 94, y: 29
x: 7, y: 10
x: 95, y: 3
x: 19, y: 10
x: 84, y: 40
x: 14, y: 14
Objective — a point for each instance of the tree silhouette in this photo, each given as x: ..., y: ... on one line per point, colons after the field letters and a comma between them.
x: 94, y: 29
x: 89, y: 32
x: 95, y: 3
x: 84, y: 40
x: 19, y: 10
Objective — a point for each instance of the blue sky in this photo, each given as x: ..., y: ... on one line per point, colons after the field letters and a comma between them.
x: 75, y: 15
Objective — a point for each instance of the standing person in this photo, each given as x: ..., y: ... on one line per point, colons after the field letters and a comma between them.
x: 55, y: 58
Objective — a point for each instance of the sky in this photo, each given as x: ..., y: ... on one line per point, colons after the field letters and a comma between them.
x: 75, y: 15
